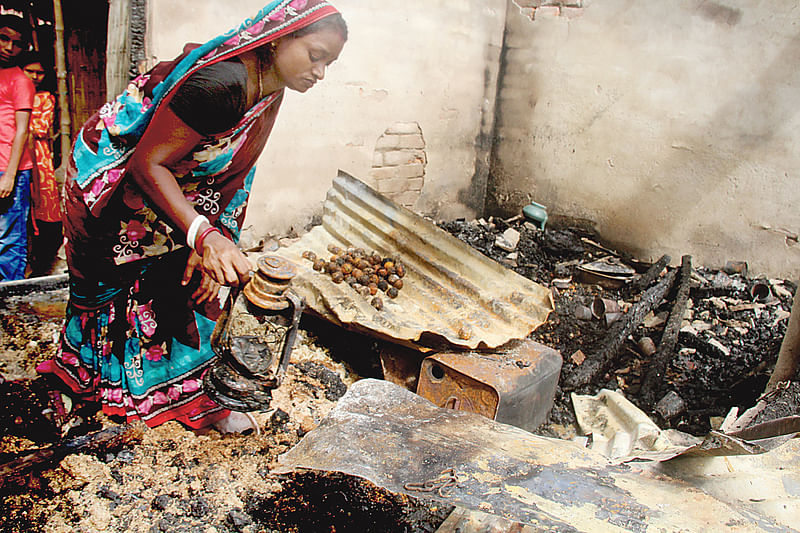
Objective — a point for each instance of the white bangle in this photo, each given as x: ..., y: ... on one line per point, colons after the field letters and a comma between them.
x: 191, y: 233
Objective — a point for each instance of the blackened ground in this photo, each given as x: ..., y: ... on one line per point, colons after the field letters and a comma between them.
x: 177, y: 481
x: 326, y: 501
x: 709, y: 379
x: 173, y: 480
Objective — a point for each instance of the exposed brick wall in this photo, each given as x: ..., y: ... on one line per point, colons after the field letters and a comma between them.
x: 398, y: 169
x: 551, y: 8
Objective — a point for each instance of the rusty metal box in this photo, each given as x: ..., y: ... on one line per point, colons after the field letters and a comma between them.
x: 515, y: 385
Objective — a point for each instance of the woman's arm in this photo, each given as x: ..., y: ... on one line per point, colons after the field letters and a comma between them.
x: 165, y: 142
x: 9, y: 177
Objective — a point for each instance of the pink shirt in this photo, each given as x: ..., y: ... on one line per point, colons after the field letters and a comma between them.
x: 16, y: 94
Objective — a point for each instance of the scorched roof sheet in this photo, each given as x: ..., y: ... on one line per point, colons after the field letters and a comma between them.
x: 451, y: 292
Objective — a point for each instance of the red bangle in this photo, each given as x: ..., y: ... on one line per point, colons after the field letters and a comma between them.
x: 198, y: 242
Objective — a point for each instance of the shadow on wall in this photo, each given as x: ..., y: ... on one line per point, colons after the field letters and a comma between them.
x: 719, y: 13
x: 763, y: 102
x: 700, y: 171
x: 398, y: 168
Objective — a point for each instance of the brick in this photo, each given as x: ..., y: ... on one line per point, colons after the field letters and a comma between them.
x: 400, y: 157
x: 383, y: 173
x: 413, y: 170
x: 404, y: 128
x: 546, y: 12
x: 546, y: 3
x: 392, y: 185
x: 415, y: 184
x: 377, y: 159
x: 571, y: 12
x: 388, y: 142
x: 411, y: 141
x: 417, y: 156
x: 406, y: 199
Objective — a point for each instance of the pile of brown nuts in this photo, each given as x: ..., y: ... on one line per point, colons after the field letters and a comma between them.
x: 367, y: 273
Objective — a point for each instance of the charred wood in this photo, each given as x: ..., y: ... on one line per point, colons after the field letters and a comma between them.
x: 618, y: 333
x: 104, y: 441
x: 651, y: 274
x: 653, y: 384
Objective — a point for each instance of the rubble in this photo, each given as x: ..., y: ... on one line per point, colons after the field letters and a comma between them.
x: 383, y: 433
x: 646, y: 346
x: 578, y: 357
x: 173, y: 480
x: 722, y: 359
x: 670, y: 406
x: 508, y: 241
x: 709, y: 381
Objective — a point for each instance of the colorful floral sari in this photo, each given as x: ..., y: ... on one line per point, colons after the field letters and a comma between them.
x: 46, y: 205
x: 133, y: 338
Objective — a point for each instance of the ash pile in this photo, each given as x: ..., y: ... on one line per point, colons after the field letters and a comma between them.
x: 718, y: 356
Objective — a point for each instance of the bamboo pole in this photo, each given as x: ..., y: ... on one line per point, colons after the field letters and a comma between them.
x: 789, y: 355
x: 652, y: 273
x: 61, y: 75
x: 786, y: 368
x: 107, y: 440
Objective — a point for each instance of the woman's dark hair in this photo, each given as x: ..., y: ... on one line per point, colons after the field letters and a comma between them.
x: 29, y: 57
x: 17, y: 24
x: 332, y: 22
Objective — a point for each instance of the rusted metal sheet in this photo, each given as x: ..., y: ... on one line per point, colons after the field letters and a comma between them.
x: 451, y: 292
x: 399, y: 441
x: 515, y: 386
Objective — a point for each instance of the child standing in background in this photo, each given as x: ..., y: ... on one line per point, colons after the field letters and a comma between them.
x: 45, y: 209
x: 16, y: 102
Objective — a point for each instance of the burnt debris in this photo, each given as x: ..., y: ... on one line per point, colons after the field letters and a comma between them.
x: 728, y: 335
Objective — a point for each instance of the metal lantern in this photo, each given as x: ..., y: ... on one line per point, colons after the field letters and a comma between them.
x: 254, y: 336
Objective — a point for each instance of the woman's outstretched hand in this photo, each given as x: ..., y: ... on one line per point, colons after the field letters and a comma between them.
x: 208, y: 289
x: 224, y: 262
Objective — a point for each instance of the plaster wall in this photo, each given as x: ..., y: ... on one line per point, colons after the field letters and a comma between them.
x: 672, y: 127
x: 433, y: 62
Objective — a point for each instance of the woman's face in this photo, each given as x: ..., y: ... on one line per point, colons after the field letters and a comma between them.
x: 300, y: 62
x: 35, y: 73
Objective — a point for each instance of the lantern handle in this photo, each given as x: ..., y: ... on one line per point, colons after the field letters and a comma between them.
x: 222, y: 321
x: 298, y: 305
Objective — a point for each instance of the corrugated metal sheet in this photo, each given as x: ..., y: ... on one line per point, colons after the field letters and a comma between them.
x: 451, y: 292
x: 381, y: 432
